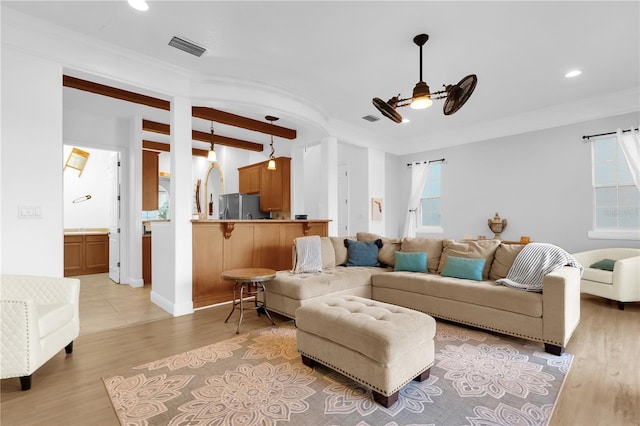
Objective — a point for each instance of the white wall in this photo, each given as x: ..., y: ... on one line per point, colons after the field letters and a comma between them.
x: 92, y: 213
x: 539, y: 181
x: 31, y: 177
x: 376, y: 189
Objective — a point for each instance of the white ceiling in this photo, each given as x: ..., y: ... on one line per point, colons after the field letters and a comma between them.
x: 339, y: 55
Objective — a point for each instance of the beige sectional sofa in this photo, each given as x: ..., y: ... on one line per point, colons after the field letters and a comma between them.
x: 549, y: 317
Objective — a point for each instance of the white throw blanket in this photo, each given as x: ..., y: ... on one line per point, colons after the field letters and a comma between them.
x: 308, y: 255
x: 534, y: 262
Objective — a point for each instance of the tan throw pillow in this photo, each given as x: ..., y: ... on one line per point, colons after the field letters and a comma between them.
x: 328, y: 253
x: 474, y: 249
x: 504, y: 257
x: 387, y: 253
x: 432, y: 246
x: 342, y: 254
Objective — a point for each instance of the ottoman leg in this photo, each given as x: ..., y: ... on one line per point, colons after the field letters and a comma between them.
x: 423, y: 376
x: 385, y: 401
x: 308, y: 361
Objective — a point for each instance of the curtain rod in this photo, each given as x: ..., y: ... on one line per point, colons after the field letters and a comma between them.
x: 425, y: 162
x: 587, y: 137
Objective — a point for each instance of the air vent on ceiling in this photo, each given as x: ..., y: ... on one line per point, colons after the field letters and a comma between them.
x: 371, y: 118
x: 187, y: 46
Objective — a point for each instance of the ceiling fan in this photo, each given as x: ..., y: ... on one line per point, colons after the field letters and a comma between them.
x: 456, y: 95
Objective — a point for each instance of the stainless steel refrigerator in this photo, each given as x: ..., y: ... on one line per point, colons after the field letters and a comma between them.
x: 241, y: 206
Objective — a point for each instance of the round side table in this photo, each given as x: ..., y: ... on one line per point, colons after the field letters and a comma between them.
x: 249, y: 282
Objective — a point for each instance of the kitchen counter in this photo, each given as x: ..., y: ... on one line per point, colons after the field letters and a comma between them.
x: 86, y: 231
x: 260, y: 220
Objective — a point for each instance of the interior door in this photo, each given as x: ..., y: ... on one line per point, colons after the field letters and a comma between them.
x: 114, y: 216
x: 343, y: 200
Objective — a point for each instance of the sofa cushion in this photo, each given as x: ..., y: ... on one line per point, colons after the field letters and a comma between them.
x: 362, y: 253
x: 328, y: 253
x: 598, y: 275
x: 386, y: 254
x: 54, y: 316
x: 301, y: 287
x: 503, y: 259
x: 482, y: 293
x: 465, y: 268
x: 604, y: 264
x: 340, y: 249
x: 411, y: 261
x: 477, y: 249
x: 432, y: 246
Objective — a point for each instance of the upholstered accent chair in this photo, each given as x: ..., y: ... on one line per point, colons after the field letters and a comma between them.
x: 39, y: 316
x: 613, y: 273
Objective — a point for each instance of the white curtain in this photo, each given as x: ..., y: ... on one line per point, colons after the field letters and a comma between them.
x: 419, y: 176
x: 630, y: 144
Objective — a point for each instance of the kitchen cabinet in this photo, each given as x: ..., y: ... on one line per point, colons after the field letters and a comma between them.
x: 86, y: 254
x: 146, y: 259
x: 150, y: 180
x: 249, y: 179
x: 274, y: 186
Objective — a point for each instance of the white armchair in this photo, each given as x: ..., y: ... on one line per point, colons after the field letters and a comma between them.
x: 39, y: 316
x: 622, y: 284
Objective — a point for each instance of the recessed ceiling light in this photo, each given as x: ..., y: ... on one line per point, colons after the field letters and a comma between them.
x: 140, y: 5
x: 573, y: 73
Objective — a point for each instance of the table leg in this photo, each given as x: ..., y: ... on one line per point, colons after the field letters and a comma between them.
x: 242, y: 287
x: 234, y: 303
x: 264, y: 303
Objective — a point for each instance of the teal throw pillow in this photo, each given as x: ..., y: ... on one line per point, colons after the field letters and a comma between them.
x: 604, y: 264
x: 411, y: 261
x: 465, y: 268
x: 362, y: 253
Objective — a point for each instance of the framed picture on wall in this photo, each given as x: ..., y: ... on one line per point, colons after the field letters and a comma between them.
x: 376, y: 208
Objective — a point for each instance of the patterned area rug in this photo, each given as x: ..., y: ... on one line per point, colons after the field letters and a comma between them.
x: 258, y: 379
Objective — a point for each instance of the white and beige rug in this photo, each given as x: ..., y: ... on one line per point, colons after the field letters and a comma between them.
x: 258, y: 379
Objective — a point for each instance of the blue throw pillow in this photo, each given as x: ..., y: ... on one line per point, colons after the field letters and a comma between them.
x: 362, y: 253
x: 411, y: 261
x: 465, y: 268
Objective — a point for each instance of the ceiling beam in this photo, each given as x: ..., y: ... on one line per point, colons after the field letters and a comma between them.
x: 223, y: 117
x: 196, y: 135
x: 165, y: 147
x: 113, y: 92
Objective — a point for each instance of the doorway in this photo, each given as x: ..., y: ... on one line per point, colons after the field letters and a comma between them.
x: 92, y: 213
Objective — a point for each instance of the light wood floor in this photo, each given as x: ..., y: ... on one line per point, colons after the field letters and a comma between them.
x: 602, y: 387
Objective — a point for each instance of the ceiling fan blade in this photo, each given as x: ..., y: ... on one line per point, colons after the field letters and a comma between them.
x: 387, y: 109
x: 458, y: 94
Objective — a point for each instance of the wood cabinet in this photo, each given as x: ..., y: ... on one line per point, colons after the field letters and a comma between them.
x: 259, y: 244
x: 146, y: 259
x: 86, y: 254
x: 249, y: 179
x: 150, y: 180
x: 274, y: 186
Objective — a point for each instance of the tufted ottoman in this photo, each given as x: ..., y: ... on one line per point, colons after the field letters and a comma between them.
x: 379, y: 345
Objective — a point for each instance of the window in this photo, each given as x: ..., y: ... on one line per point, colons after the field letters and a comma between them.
x: 430, y: 206
x: 616, y: 199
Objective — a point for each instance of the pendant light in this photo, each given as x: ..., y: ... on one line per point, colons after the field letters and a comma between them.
x: 212, y: 152
x: 272, y: 160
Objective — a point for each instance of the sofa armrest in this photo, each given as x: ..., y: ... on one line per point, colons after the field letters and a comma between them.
x: 19, y: 338
x: 626, y: 279
x: 560, y: 305
x: 42, y: 290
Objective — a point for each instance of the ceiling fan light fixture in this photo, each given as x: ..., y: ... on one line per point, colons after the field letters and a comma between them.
x: 140, y: 5
x: 421, y: 98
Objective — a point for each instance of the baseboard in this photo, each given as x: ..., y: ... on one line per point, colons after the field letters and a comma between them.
x: 136, y: 283
x: 174, y: 309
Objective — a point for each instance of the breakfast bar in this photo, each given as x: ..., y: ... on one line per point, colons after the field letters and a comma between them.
x: 222, y: 245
